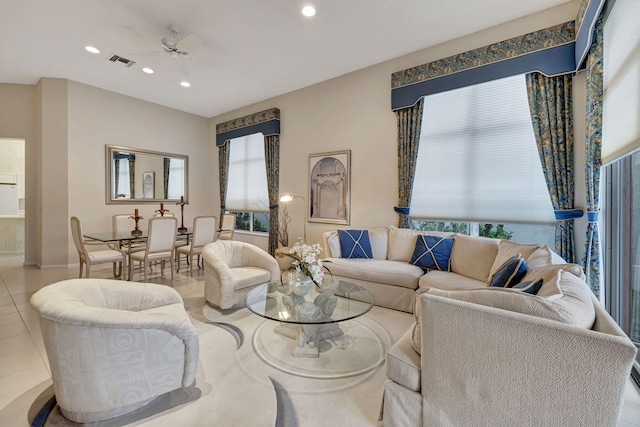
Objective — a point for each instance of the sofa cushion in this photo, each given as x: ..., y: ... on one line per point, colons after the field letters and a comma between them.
x: 403, y: 363
x: 394, y: 273
x: 355, y: 244
x: 448, y: 280
x: 432, y: 252
x: 508, y: 249
x: 473, y: 256
x: 543, y: 257
x: 529, y: 287
x: 379, y: 238
x: 509, y: 273
x: 332, y: 244
x: 402, y: 242
x: 575, y: 307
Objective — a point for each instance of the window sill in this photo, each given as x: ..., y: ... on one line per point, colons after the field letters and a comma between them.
x: 252, y: 233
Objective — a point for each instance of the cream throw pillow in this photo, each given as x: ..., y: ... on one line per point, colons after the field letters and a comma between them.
x: 402, y: 242
x: 473, y: 256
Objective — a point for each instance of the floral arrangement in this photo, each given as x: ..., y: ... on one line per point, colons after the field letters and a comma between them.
x: 306, y: 260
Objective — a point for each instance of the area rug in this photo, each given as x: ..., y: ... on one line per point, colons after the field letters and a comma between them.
x: 247, y: 376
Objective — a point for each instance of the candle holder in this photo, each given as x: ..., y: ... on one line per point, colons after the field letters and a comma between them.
x: 162, y: 210
x: 181, y: 203
x: 136, y: 218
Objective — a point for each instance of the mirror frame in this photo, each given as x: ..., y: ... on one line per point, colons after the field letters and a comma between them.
x: 109, y: 149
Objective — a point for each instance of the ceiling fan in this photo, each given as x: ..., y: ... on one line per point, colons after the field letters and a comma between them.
x: 175, y: 46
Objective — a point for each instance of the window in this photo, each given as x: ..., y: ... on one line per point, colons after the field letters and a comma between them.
x: 478, y: 159
x: 124, y: 186
x: 621, y: 243
x: 620, y: 187
x: 250, y: 221
x: 521, y: 233
x: 176, y: 182
x: 247, y: 194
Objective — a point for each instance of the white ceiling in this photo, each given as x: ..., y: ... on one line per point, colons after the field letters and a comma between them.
x: 255, y: 49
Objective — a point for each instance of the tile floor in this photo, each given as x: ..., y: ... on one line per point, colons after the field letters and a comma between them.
x: 24, y: 370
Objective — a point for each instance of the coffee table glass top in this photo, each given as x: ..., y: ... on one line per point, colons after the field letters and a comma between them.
x: 267, y: 301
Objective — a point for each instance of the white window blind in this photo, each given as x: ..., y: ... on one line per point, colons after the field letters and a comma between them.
x: 247, y: 177
x: 124, y: 186
x: 176, y: 178
x: 478, y: 159
x: 621, y: 109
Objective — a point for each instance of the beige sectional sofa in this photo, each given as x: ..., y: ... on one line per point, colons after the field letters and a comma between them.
x: 393, y: 281
x: 501, y: 357
x: 482, y: 355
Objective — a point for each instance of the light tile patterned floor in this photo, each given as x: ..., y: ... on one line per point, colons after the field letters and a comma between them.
x: 24, y: 370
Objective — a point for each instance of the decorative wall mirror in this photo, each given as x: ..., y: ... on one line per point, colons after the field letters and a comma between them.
x: 140, y: 176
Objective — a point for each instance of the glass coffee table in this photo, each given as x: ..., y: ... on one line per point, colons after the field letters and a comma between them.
x: 312, y: 317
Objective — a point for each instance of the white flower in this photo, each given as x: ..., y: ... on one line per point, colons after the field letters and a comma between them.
x: 307, y: 260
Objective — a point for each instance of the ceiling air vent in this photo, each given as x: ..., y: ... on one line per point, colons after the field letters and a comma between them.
x: 125, y: 61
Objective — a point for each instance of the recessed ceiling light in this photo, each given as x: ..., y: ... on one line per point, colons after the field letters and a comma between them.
x: 185, y: 84
x: 308, y: 11
x: 91, y: 49
x: 147, y: 70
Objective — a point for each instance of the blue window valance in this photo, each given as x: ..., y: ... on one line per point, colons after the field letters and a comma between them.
x: 551, y: 51
x: 267, y: 122
x: 588, y: 13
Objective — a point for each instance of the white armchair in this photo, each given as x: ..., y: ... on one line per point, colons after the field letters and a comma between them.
x: 113, y: 346
x: 232, y: 269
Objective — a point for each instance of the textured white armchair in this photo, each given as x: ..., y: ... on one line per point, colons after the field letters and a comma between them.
x: 232, y: 269
x: 114, y: 346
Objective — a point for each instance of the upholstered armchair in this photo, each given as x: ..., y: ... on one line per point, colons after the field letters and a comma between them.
x: 232, y: 269
x: 113, y: 346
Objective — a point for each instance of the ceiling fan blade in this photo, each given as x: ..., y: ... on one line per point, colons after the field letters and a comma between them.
x: 188, y: 43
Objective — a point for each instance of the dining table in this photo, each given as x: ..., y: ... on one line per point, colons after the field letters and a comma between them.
x: 127, y: 239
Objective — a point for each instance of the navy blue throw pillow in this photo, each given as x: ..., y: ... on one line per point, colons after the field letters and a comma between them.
x: 432, y: 252
x: 510, y: 273
x: 355, y: 244
x: 529, y: 287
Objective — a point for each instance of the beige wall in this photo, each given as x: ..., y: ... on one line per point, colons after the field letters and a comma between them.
x: 354, y: 112
x: 97, y: 118
x: 66, y: 126
x: 18, y: 119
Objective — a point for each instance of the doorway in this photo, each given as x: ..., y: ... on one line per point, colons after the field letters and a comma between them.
x: 12, y: 196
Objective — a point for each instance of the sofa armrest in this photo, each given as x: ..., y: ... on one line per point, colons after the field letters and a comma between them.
x: 487, y: 366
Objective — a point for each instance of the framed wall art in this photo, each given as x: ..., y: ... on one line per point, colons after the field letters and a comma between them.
x: 148, y: 185
x: 329, y: 187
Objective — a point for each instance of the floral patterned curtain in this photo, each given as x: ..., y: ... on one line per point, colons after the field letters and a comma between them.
x: 116, y: 167
x: 272, y: 161
x: 591, y: 259
x: 409, y: 124
x: 132, y: 176
x: 223, y: 168
x: 550, y: 103
x: 167, y: 168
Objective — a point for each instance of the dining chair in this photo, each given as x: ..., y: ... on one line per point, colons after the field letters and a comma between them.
x: 228, y: 226
x: 161, y: 243
x: 95, y: 257
x: 204, y: 231
x: 122, y: 223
